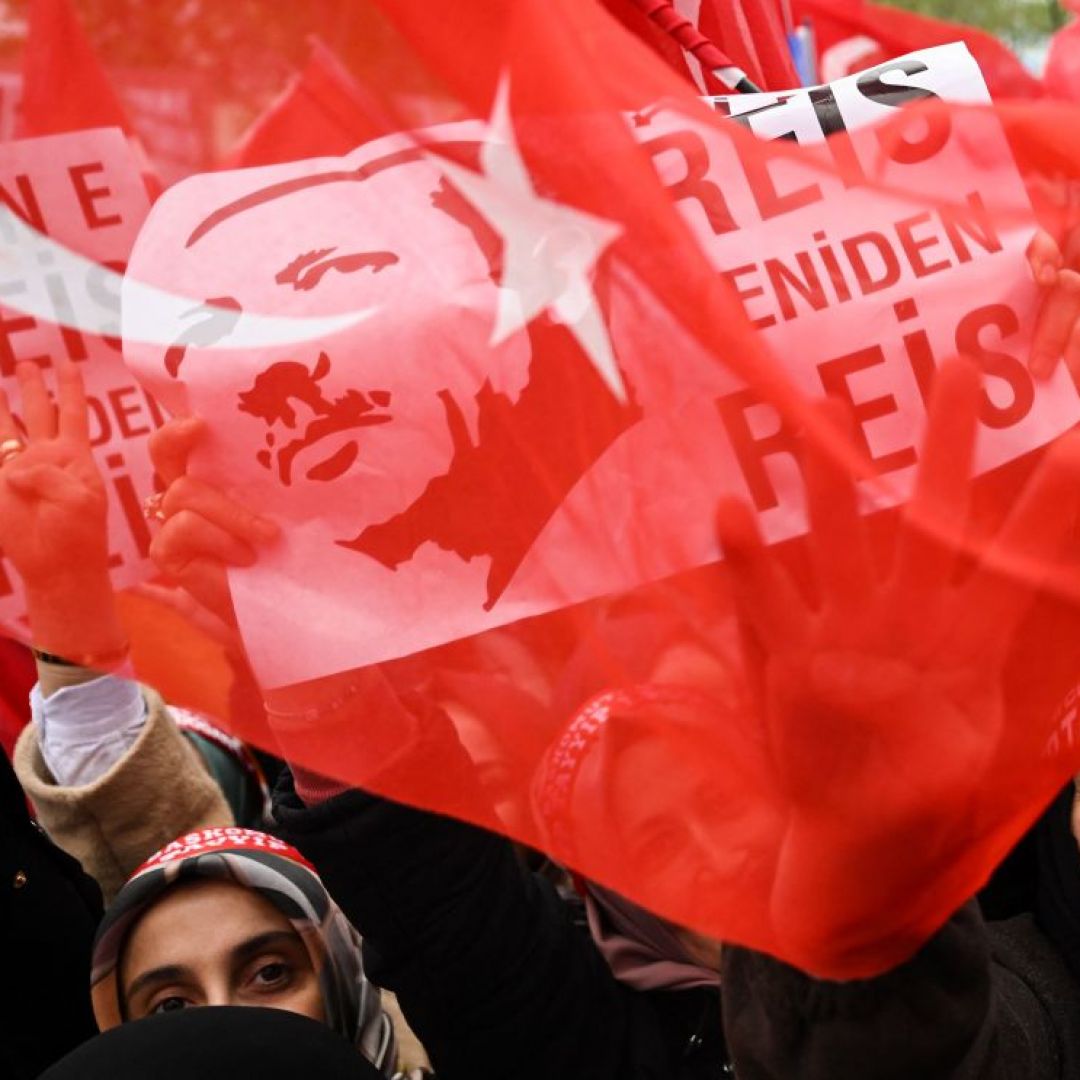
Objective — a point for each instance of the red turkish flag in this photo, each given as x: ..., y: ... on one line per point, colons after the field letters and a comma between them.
x: 65, y: 87
x: 852, y: 35
x: 322, y: 111
x: 497, y: 467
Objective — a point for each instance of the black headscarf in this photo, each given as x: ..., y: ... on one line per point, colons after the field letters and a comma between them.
x: 221, y: 1043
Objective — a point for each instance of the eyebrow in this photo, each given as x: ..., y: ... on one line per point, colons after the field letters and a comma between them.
x: 253, y: 946
x: 166, y: 974
x: 238, y: 955
x: 303, y: 183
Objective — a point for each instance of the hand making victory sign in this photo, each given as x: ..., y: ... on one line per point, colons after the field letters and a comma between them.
x: 883, y: 698
x: 53, y: 518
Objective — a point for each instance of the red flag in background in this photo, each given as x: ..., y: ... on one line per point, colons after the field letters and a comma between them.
x: 320, y: 112
x: 65, y: 88
x: 1062, y: 75
x: 853, y: 35
x: 470, y: 462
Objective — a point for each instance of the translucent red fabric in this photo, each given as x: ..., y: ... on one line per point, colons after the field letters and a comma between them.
x: 521, y: 364
x: 1062, y: 75
x: 851, y: 35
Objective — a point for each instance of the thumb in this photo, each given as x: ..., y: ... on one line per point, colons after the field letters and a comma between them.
x: 170, y: 446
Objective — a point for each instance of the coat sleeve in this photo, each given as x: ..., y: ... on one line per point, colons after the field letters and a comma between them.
x: 157, y: 791
x: 489, y: 968
x: 950, y: 1012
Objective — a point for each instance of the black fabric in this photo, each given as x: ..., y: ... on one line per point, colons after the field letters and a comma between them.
x: 223, y: 1043
x: 1012, y: 888
x: 975, y: 1003
x: 492, y: 971
x: 1058, y: 909
x: 49, y: 910
x: 1038, y: 1000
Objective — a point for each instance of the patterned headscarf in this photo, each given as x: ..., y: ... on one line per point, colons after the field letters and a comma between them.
x: 643, y: 950
x: 279, y: 874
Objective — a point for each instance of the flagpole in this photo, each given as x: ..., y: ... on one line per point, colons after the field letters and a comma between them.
x: 713, y: 60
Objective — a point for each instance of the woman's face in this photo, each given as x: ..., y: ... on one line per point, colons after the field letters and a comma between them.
x: 216, y: 943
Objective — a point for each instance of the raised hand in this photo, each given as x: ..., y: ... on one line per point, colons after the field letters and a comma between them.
x: 204, y: 531
x: 883, y: 695
x: 52, y: 497
x: 53, y: 516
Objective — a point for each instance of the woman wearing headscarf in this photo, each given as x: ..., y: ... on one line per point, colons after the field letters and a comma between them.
x: 232, y: 916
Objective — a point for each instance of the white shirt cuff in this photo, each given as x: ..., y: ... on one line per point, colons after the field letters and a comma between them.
x: 84, y: 730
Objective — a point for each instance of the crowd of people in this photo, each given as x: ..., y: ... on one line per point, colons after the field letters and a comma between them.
x: 154, y: 865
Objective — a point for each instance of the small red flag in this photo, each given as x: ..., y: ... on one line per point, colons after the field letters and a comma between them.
x: 322, y: 111
x: 65, y: 87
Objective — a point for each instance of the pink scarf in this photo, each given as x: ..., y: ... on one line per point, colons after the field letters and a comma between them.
x: 642, y: 950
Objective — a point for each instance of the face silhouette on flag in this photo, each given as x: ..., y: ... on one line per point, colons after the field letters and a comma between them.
x: 407, y: 445
x: 369, y: 405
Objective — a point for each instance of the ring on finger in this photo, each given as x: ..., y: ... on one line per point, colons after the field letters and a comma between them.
x: 10, y: 448
x: 153, y: 507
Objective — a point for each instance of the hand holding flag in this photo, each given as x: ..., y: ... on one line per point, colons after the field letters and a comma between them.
x: 204, y: 530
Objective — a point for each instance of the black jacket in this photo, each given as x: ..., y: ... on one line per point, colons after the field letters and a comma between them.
x: 494, y: 973
x: 498, y: 979
x: 978, y: 1002
x: 49, y: 910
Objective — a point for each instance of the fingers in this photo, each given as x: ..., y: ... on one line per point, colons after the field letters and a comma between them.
x: 936, y: 513
x: 72, y: 420
x: 837, y: 537
x: 216, y: 508
x: 1054, y: 326
x: 1044, y: 258
x: 38, y: 411
x: 207, y: 618
x: 766, y: 598
x: 171, y: 445
x: 1020, y: 558
x: 8, y: 428
x: 208, y: 585
x: 186, y: 538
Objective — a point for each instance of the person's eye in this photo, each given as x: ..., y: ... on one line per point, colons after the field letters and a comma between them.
x: 273, y: 975
x: 172, y: 1003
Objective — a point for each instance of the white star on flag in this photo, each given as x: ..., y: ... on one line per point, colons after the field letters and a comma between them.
x: 549, y: 248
